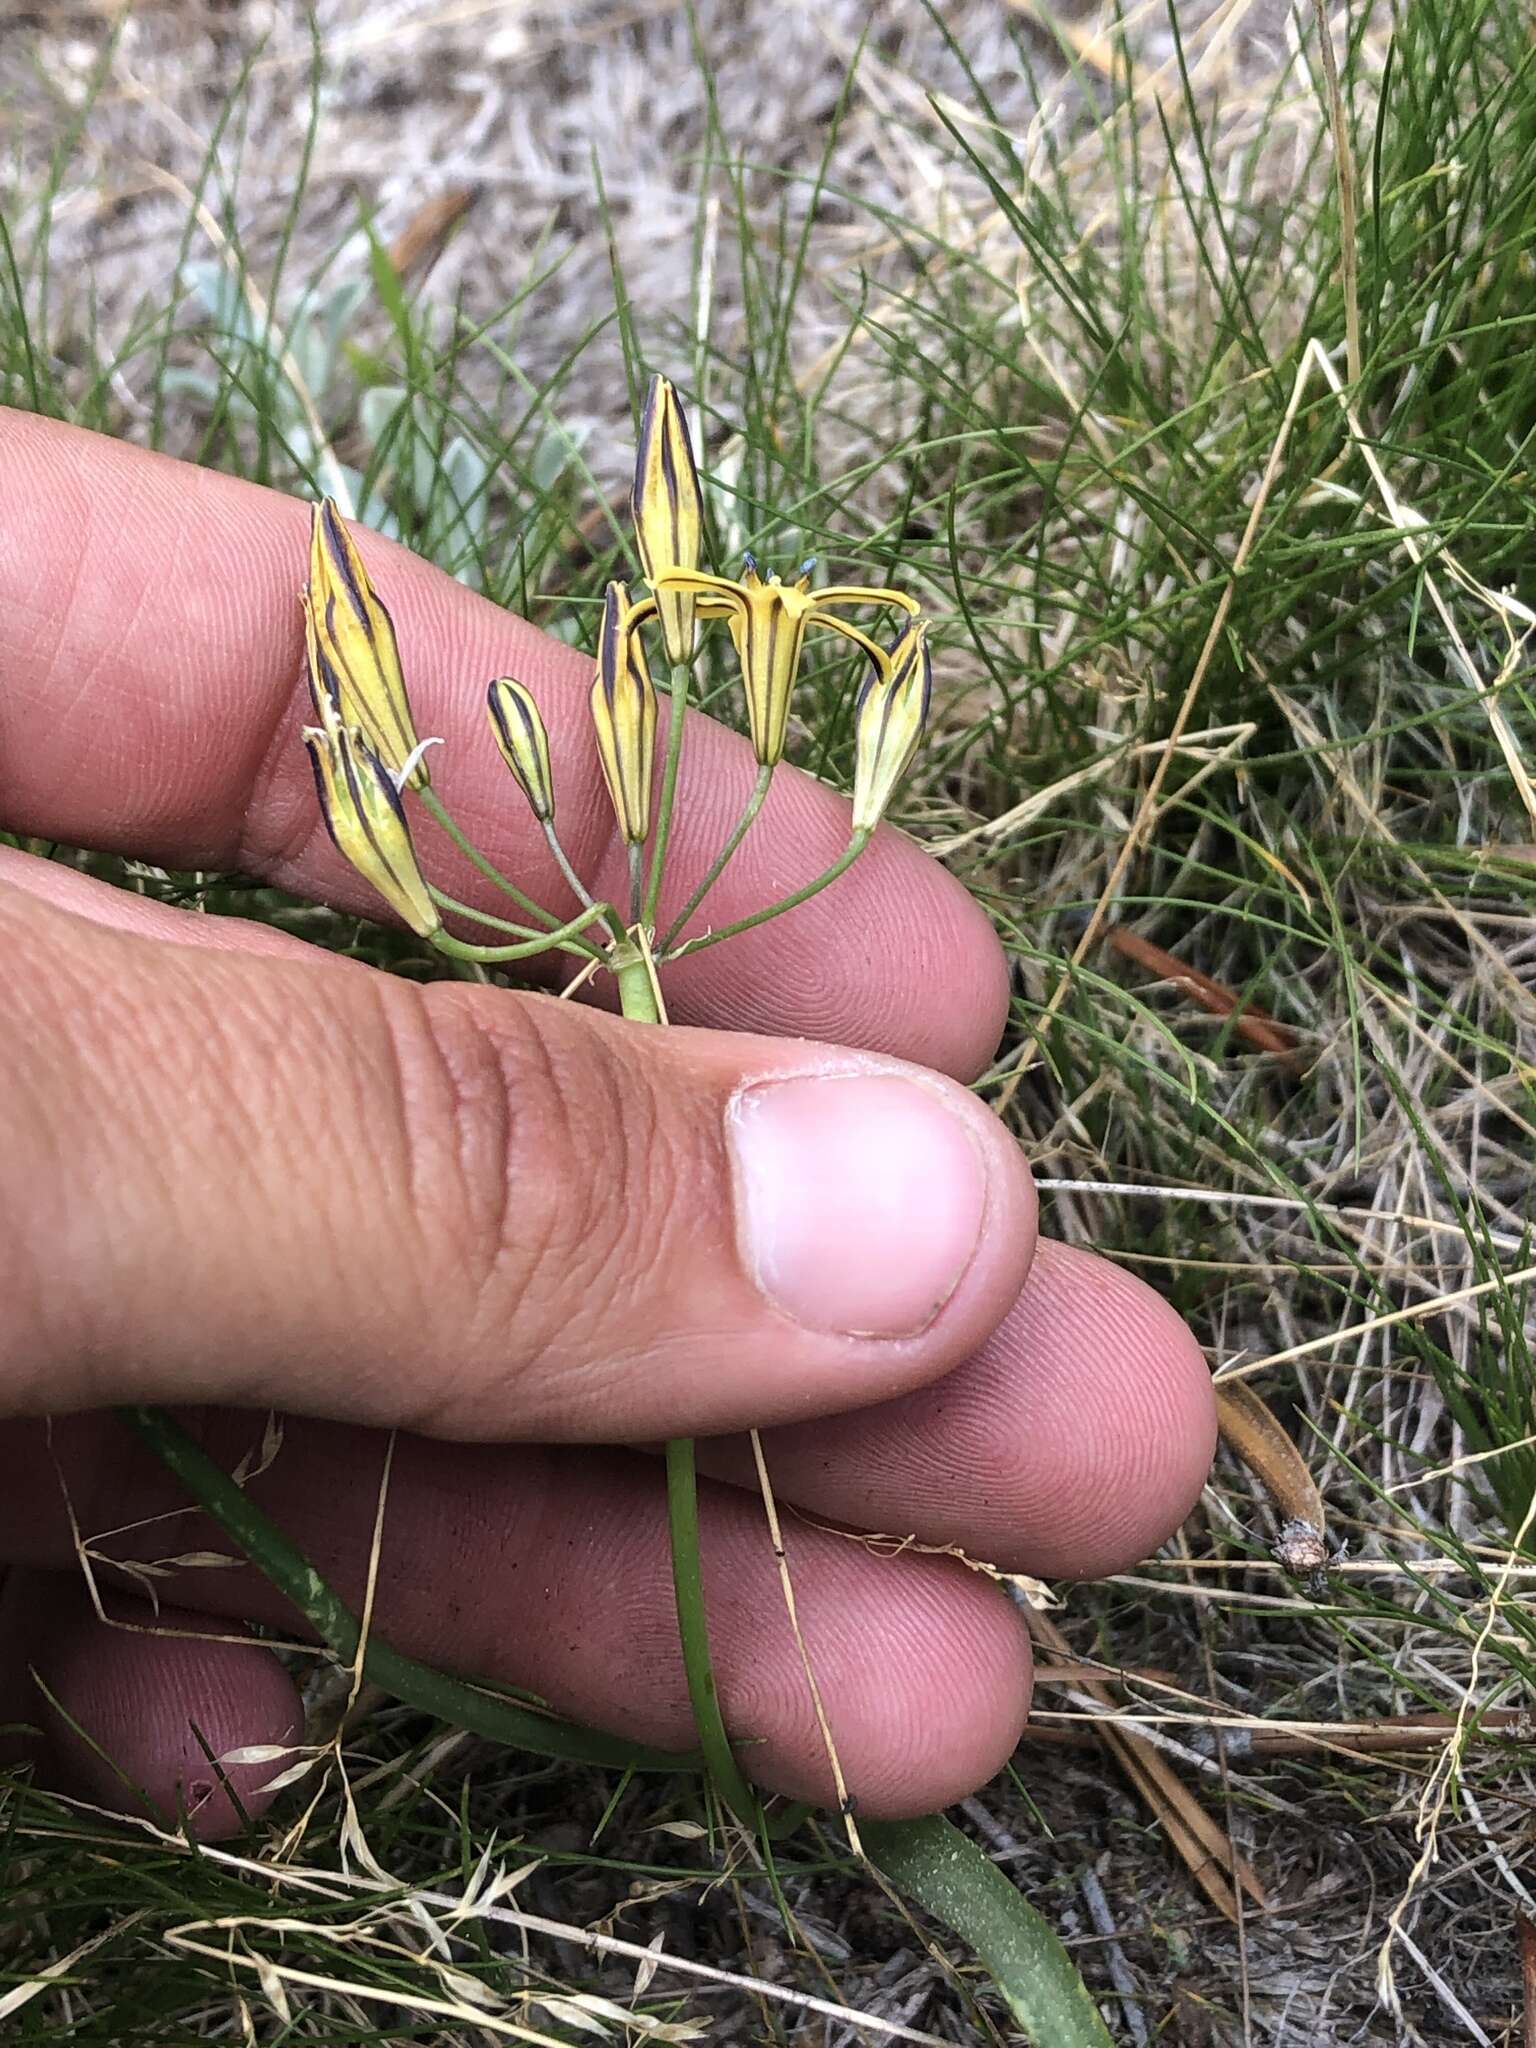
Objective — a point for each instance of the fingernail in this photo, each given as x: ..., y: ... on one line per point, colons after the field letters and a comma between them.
x: 860, y: 1199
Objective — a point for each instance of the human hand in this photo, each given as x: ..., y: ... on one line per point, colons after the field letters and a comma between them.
x: 245, y: 1173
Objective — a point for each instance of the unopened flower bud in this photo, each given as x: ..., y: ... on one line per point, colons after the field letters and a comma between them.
x: 354, y: 661
x: 888, y: 723
x: 365, y: 816
x: 523, y: 742
x: 624, y: 713
x: 668, y: 511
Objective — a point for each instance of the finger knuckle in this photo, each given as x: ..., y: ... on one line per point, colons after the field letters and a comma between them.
x: 524, y: 1136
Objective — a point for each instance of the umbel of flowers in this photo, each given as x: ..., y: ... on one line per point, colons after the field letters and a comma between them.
x: 368, y: 757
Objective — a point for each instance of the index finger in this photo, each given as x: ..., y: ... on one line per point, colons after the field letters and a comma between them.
x: 152, y: 650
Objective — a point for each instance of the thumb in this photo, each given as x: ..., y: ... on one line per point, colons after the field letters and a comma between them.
x: 292, y: 1181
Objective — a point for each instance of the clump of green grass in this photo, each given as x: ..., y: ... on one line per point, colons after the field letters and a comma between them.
x: 1051, y: 404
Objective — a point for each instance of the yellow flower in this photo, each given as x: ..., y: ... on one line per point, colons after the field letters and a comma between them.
x: 888, y: 723
x: 523, y: 742
x: 624, y: 712
x: 668, y: 510
x: 354, y: 662
x: 768, y: 622
x: 365, y: 816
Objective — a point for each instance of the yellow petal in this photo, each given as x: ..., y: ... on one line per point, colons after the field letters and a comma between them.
x: 524, y: 743
x: 888, y: 723
x: 354, y: 661
x: 769, y: 631
x: 624, y: 714
x: 365, y: 816
x: 668, y: 511
x: 717, y: 590
x: 863, y: 593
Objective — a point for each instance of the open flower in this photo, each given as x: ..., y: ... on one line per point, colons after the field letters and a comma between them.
x: 354, y: 661
x: 365, y: 816
x: 523, y: 742
x: 668, y: 511
x: 624, y: 711
x: 888, y: 722
x: 768, y: 621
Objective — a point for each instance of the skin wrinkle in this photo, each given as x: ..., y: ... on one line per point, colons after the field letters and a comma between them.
x: 251, y: 1034
x: 373, y: 1308
x: 484, y: 1115
x: 65, y: 1009
x: 37, y: 1316
x: 489, y: 1256
x: 291, y: 829
x: 975, y: 1626
x: 600, y: 1242
x: 548, y: 1216
x: 705, y: 1340
x: 221, y: 1689
x: 95, y: 597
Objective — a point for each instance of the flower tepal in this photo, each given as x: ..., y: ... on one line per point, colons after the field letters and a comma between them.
x: 768, y: 621
x: 524, y: 743
x: 668, y: 512
x: 624, y: 712
x: 888, y: 723
x: 354, y: 660
x: 365, y: 816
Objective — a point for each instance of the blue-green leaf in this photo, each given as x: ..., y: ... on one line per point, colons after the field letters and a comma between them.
x: 943, y: 1871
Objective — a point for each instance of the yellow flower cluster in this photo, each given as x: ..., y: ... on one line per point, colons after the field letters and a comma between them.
x: 366, y: 751
x: 768, y: 621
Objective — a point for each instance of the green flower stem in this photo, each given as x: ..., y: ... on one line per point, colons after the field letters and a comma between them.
x: 637, y: 989
x: 664, y: 807
x: 840, y: 866
x: 435, y: 808
x: 638, y: 1000
x: 559, y: 939
x: 693, y: 1631
x: 286, y: 1567
x: 636, y: 880
x: 500, y: 924
x: 717, y: 867
x: 575, y: 884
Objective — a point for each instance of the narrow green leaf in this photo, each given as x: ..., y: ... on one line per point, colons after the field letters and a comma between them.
x: 285, y: 1566
x: 944, y: 1872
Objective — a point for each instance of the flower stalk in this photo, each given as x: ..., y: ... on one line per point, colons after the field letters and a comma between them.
x: 721, y: 860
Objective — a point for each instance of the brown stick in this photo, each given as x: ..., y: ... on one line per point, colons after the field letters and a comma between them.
x: 1393, y: 1735
x: 422, y: 240
x: 1199, y: 1841
x: 1212, y: 996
